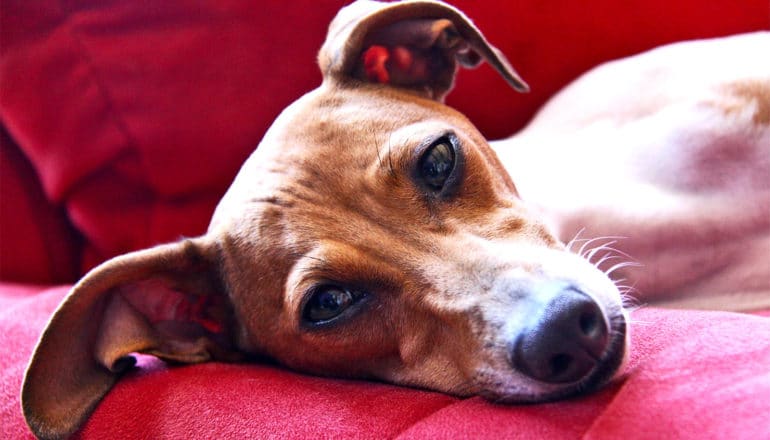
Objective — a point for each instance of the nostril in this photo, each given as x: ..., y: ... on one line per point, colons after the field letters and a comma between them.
x: 589, y: 324
x: 560, y: 363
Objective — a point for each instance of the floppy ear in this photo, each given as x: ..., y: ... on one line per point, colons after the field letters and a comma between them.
x: 412, y: 44
x: 167, y: 301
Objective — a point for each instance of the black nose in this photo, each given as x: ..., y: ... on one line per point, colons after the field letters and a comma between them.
x: 565, y: 341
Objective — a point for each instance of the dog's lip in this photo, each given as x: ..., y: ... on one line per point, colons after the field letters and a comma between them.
x: 609, y: 364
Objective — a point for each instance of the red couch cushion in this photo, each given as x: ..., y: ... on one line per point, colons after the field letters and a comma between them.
x: 37, y: 242
x: 691, y: 375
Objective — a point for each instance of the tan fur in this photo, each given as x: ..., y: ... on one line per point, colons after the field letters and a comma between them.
x: 750, y: 93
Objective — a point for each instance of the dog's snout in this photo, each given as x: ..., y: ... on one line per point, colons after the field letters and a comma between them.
x: 565, y: 342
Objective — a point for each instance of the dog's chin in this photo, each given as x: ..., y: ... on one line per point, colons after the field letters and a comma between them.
x: 609, y: 365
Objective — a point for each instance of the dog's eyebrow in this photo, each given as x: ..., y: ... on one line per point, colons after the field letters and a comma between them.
x: 317, y: 269
x: 384, y: 162
x: 320, y: 263
x: 272, y: 200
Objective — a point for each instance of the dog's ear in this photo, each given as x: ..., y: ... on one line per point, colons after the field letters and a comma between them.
x: 414, y: 44
x: 167, y: 301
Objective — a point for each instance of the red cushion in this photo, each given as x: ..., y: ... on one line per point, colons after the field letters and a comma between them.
x: 691, y: 375
x: 37, y: 243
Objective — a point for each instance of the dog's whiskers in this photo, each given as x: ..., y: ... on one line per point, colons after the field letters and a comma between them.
x: 377, y: 149
x: 630, y: 303
x: 586, y: 248
x: 322, y: 262
x: 590, y: 253
x: 619, y: 266
x: 626, y: 290
x: 602, y: 248
x: 607, y: 247
x: 380, y: 159
x: 607, y: 257
x: 575, y: 239
x: 390, y: 157
x: 638, y: 322
x: 600, y: 251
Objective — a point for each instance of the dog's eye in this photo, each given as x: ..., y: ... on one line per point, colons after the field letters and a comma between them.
x: 328, y: 302
x: 437, y: 163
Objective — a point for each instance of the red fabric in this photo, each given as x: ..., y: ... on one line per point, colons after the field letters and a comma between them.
x: 691, y: 375
x: 37, y: 243
x: 124, y: 122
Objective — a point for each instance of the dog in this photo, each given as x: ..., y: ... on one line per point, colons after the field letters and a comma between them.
x: 374, y: 234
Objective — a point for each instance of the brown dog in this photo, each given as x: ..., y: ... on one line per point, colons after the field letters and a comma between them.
x: 375, y: 234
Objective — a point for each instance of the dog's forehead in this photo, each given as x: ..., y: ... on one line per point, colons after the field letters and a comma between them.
x: 324, y: 172
x: 329, y: 142
x: 338, y: 120
x: 335, y: 148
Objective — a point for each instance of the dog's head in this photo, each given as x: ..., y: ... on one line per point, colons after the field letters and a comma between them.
x: 373, y: 234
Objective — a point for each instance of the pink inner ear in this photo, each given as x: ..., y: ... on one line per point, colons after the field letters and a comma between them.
x: 159, y: 303
x: 375, y: 59
x: 398, y: 65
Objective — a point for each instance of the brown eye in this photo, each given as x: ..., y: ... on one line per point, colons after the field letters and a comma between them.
x: 327, y: 303
x: 436, y: 164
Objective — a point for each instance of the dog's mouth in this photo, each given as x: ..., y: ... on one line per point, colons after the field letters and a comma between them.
x: 606, y: 368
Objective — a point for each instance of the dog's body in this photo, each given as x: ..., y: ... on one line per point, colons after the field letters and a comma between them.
x: 374, y: 233
x: 671, y: 151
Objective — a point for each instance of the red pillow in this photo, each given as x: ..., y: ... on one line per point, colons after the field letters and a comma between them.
x: 37, y: 243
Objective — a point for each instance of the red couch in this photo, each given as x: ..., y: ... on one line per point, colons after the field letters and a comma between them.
x: 124, y: 122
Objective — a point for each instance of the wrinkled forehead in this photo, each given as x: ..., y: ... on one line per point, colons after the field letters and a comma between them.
x: 339, y: 150
x: 342, y: 121
x: 333, y: 137
x: 337, y: 155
